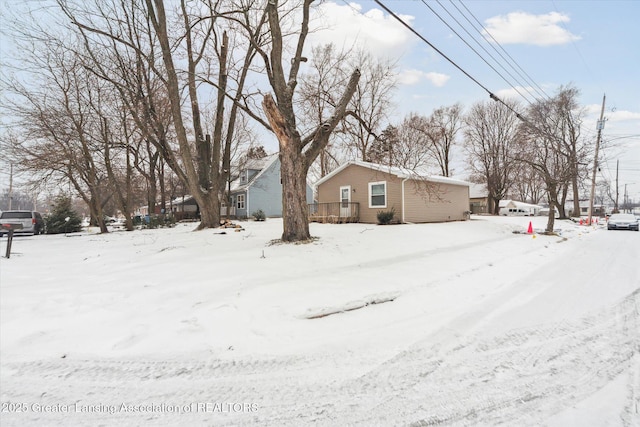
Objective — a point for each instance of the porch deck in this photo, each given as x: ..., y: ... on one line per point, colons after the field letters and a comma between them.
x: 336, y: 212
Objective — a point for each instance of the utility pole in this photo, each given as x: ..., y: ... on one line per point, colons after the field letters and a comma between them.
x: 595, y: 160
x: 617, y: 188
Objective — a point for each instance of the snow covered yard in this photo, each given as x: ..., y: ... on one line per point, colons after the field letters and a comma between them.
x: 459, y: 323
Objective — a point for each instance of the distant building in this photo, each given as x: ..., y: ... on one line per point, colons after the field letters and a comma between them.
x: 478, y: 199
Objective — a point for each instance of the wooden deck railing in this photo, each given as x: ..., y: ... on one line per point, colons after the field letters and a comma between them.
x: 335, y: 212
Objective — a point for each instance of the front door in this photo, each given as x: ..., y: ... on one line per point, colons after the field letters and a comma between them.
x: 345, y: 199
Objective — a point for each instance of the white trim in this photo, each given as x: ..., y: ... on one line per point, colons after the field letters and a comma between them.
x: 348, y: 208
x: 244, y: 201
x: 348, y: 187
x: 403, y: 209
x: 371, y: 184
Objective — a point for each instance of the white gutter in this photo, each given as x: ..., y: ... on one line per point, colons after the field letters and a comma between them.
x: 403, y: 181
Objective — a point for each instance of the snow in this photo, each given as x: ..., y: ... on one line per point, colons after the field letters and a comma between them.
x: 461, y: 323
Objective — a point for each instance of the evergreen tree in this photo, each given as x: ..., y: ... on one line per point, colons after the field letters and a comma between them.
x: 63, y: 219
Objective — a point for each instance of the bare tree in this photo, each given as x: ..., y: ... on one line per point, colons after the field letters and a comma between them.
x: 135, y: 45
x: 368, y: 107
x: 552, y: 146
x: 297, y: 153
x: 56, y: 121
x: 526, y: 184
x: 544, y: 148
x: 405, y: 145
x: 491, y: 134
x: 569, y: 118
x: 441, y: 128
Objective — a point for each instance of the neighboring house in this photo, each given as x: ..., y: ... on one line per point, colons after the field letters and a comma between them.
x: 357, y: 191
x: 598, y: 210
x: 185, y: 207
x: 478, y: 199
x: 515, y: 208
x: 256, y: 186
x: 259, y: 187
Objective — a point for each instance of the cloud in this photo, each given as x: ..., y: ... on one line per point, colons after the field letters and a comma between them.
x: 521, y: 27
x: 517, y: 93
x: 614, y: 115
x: 346, y: 26
x: 411, y: 77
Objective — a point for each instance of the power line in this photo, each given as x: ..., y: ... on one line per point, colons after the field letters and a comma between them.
x: 474, y: 50
x: 528, y: 78
x: 452, y: 62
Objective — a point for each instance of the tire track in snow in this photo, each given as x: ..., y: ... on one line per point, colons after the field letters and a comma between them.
x: 516, y: 377
x: 512, y: 377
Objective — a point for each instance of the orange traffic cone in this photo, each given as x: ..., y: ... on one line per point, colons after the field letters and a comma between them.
x: 580, y: 221
x: 530, y: 229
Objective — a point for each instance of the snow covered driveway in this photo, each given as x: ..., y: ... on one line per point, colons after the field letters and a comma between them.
x: 440, y: 324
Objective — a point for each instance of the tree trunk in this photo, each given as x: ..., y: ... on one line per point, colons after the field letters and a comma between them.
x: 96, y: 209
x: 209, y: 211
x: 562, y: 202
x: 293, y: 172
x: 294, y: 178
x: 576, y: 198
x: 122, y: 200
x: 495, y: 205
x: 553, y: 204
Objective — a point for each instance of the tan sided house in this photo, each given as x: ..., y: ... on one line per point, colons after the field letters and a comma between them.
x: 358, y: 190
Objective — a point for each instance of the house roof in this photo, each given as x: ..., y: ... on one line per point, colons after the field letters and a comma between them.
x: 186, y: 199
x: 517, y: 204
x: 254, y: 164
x: 393, y: 170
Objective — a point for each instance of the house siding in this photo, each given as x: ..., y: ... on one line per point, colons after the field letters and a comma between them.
x: 427, y: 201
x: 265, y: 193
x: 358, y: 178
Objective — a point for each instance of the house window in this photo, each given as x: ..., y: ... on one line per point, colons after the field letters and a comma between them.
x: 240, y: 201
x: 378, y: 194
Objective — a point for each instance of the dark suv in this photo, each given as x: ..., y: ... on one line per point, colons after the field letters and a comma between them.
x: 32, y: 222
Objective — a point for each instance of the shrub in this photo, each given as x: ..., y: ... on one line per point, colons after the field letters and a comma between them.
x: 385, y: 217
x: 160, y: 221
x: 63, y: 219
x: 259, y: 215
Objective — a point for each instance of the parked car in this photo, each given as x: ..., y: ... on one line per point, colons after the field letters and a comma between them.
x: 622, y: 222
x: 32, y: 222
x: 515, y: 212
